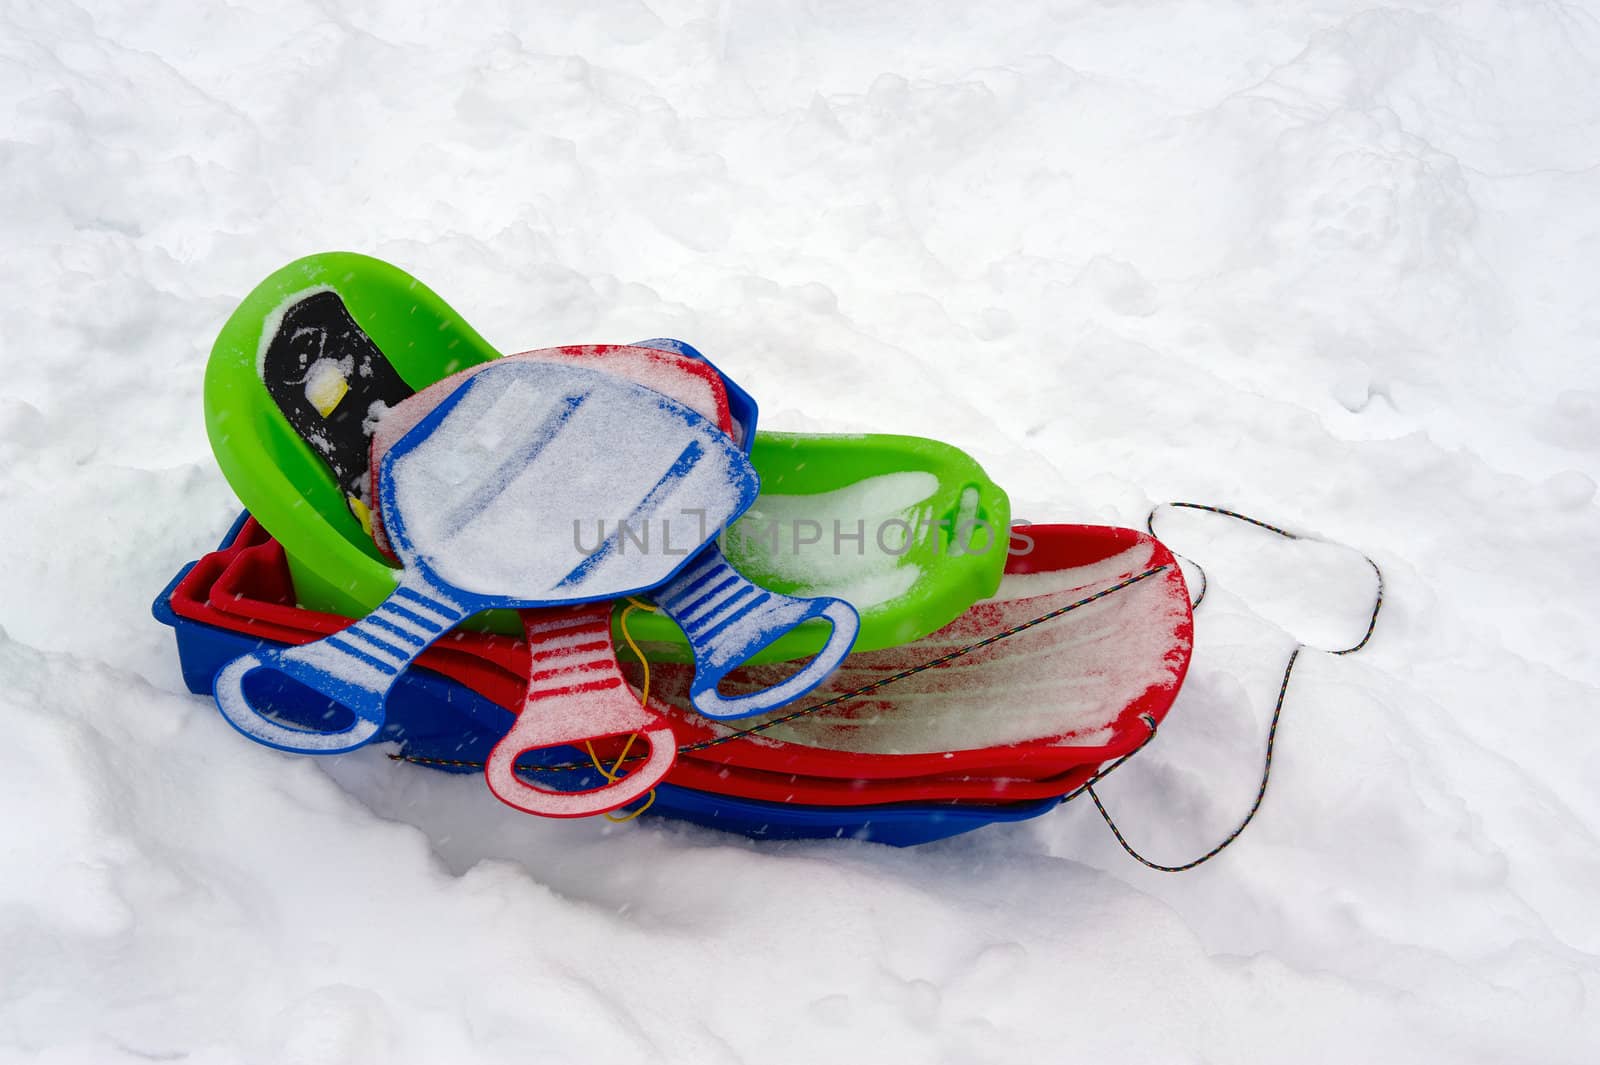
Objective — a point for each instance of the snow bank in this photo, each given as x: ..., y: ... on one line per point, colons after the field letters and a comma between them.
x: 1332, y: 264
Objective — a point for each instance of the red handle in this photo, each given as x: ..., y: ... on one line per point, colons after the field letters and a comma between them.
x: 576, y: 692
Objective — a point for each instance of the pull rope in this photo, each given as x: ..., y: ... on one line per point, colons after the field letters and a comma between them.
x: 1277, y: 709
x: 614, y: 773
x: 1088, y: 786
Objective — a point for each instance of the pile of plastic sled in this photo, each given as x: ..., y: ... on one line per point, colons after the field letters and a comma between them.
x: 584, y: 573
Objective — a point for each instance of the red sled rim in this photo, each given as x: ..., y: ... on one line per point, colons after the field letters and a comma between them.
x: 245, y: 587
x: 1118, y: 678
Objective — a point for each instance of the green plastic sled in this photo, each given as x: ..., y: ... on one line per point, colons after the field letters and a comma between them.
x: 914, y: 563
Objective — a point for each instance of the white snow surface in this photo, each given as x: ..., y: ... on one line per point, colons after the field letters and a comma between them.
x: 853, y: 543
x: 1331, y: 263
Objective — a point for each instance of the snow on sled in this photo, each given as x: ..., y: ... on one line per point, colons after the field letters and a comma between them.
x: 726, y: 618
x: 576, y: 692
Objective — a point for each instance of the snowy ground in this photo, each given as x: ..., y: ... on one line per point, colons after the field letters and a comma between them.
x: 1330, y: 263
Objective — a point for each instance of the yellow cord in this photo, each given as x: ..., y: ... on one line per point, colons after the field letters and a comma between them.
x: 644, y: 698
x: 637, y: 604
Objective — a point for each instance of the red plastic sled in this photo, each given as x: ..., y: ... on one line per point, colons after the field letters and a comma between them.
x: 1028, y: 716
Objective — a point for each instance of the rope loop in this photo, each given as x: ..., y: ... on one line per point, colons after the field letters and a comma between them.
x: 1277, y: 709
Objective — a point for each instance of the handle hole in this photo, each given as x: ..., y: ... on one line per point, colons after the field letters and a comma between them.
x: 745, y: 679
x: 285, y: 701
x: 529, y: 765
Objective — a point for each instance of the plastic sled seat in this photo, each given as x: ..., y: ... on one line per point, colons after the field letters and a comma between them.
x: 470, y: 498
x: 443, y: 724
x: 723, y: 615
x: 1079, y: 718
x: 933, y: 523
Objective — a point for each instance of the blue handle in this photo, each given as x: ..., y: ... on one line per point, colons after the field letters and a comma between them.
x: 354, y: 668
x: 727, y: 619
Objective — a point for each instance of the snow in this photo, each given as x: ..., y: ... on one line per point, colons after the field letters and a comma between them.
x: 1331, y: 264
x: 658, y: 371
x: 851, y: 543
x: 514, y: 462
x: 642, y: 366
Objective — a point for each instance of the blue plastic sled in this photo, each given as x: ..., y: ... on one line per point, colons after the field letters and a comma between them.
x: 436, y: 720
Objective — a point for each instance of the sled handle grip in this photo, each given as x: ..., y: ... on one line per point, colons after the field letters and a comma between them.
x: 576, y: 693
x: 354, y: 668
x: 728, y: 619
x: 530, y: 734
